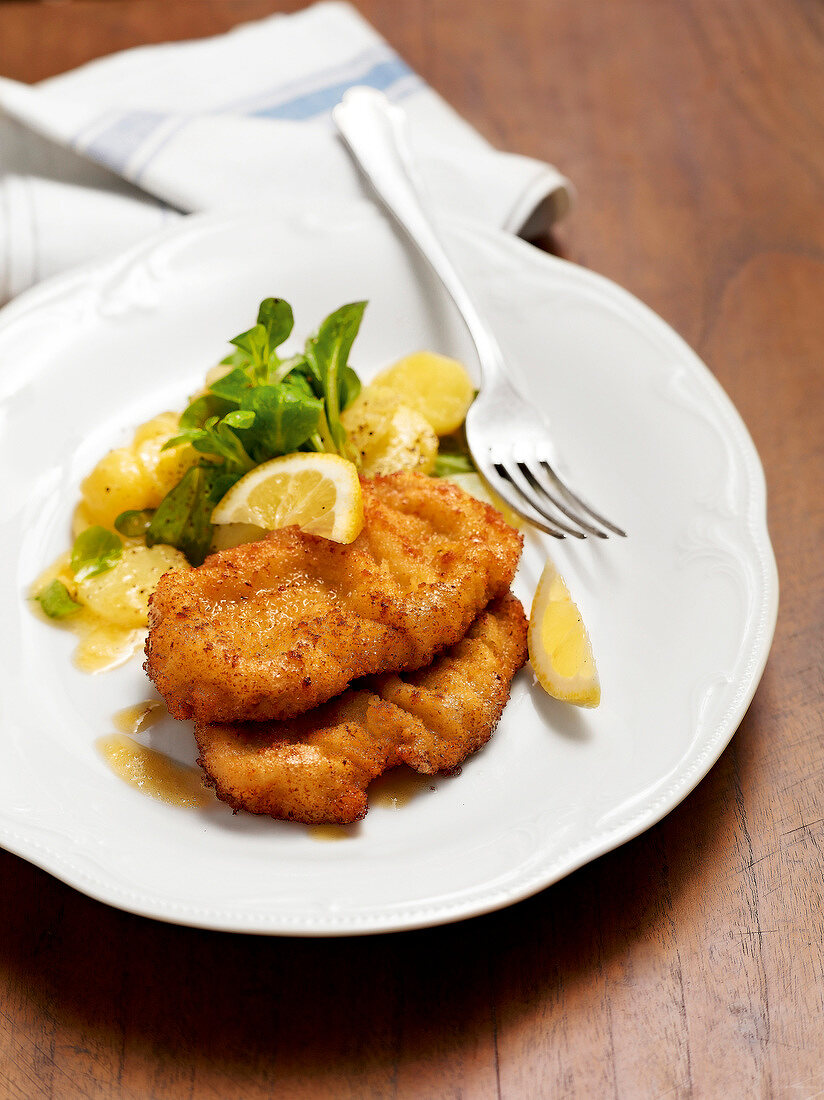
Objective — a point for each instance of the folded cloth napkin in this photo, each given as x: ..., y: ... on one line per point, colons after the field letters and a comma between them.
x: 100, y: 157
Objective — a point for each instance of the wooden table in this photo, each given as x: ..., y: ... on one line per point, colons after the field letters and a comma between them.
x: 689, y: 962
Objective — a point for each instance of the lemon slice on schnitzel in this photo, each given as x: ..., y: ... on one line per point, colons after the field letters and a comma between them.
x: 320, y: 493
x: 559, y: 646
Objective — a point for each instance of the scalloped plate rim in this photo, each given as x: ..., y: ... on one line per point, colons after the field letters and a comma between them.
x: 61, y: 865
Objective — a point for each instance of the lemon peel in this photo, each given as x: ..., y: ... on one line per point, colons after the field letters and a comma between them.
x: 559, y: 647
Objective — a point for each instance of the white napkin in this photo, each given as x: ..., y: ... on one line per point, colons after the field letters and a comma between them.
x: 100, y: 157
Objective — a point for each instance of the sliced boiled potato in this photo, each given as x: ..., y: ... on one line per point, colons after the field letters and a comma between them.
x: 437, y: 387
x: 118, y: 482
x: 137, y: 476
x: 161, y: 427
x: 121, y: 594
x: 389, y: 435
x: 163, y: 468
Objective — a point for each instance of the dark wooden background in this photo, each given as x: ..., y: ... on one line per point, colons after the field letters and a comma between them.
x: 689, y: 962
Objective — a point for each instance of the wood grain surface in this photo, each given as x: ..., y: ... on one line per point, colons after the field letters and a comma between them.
x: 689, y: 962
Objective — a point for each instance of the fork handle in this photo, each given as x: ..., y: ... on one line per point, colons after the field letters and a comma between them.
x: 374, y: 131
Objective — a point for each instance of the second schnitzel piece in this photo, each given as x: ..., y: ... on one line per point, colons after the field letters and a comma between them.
x: 273, y: 628
x: 316, y: 768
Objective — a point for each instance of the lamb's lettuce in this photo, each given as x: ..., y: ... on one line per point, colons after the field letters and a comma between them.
x: 450, y: 463
x: 134, y: 522
x: 328, y: 372
x: 453, y: 455
x: 264, y: 406
x: 56, y: 600
x: 183, y: 518
x: 95, y: 550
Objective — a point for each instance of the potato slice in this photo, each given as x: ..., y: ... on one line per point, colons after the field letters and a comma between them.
x: 136, y: 476
x: 389, y: 435
x: 436, y: 386
x: 163, y: 468
x: 121, y: 594
x: 117, y: 482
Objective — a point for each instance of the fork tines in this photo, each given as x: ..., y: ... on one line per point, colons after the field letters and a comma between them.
x: 537, y: 494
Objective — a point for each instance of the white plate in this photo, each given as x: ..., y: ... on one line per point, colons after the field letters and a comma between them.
x: 681, y: 613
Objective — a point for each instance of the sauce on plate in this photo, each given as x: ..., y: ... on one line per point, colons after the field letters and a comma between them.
x: 398, y: 787
x: 153, y: 773
x: 139, y: 717
x: 101, y: 644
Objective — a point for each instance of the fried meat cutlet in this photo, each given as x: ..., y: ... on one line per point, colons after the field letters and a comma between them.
x: 270, y: 629
x: 316, y: 768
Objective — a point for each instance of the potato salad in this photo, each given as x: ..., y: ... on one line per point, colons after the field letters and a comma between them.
x: 147, y: 506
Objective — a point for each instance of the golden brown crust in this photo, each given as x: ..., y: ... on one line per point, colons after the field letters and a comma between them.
x: 317, y: 767
x: 274, y: 628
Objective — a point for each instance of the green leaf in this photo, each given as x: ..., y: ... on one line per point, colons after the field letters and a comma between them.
x: 284, y: 418
x: 240, y: 418
x: 453, y: 463
x: 264, y: 407
x: 257, y: 345
x: 289, y: 371
x: 277, y: 318
x: 453, y: 455
x: 349, y: 386
x: 221, y: 440
x: 326, y: 356
x: 254, y: 343
x: 327, y: 351
x: 237, y: 358
x: 231, y: 387
x: 203, y: 408
x: 303, y: 376
x: 56, y: 601
x: 183, y: 518
x: 218, y: 440
x: 134, y: 522
x: 95, y: 551
x: 299, y: 384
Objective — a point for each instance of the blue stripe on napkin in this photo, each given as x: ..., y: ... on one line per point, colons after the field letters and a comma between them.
x: 114, y: 146
x: 381, y: 76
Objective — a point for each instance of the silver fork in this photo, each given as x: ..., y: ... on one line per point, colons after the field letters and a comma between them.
x: 507, y: 437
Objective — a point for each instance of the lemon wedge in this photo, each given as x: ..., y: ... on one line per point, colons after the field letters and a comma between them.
x: 559, y: 646
x: 320, y: 493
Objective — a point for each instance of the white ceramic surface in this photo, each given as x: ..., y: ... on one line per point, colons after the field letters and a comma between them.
x: 681, y: 613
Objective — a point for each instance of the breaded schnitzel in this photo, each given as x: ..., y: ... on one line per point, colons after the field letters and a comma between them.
x: 273, y: 628
x: 316, y: 768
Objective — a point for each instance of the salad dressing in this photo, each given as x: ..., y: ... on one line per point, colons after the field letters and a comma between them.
x: 392, y: 790
x: 139, y: 717
x: 398, y: 787
x: 330, y: 832
x: 153, y: 773
x: 101, y: 644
